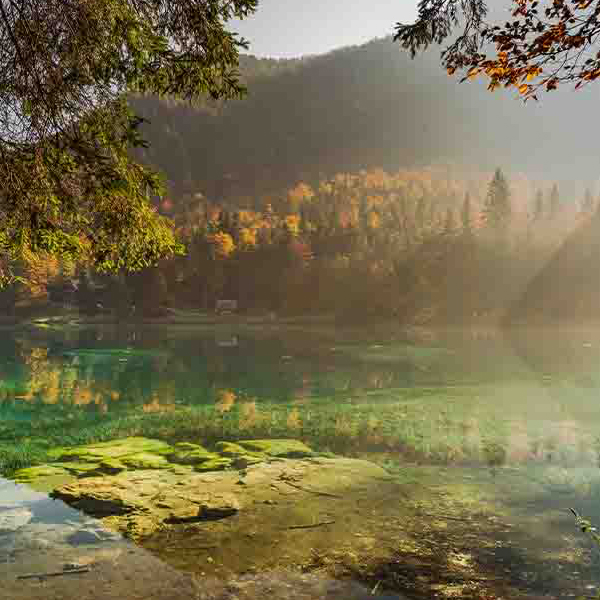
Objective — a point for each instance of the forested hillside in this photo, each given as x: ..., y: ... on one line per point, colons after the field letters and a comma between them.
x: 359, y: 108
x: 359, y: 184
x: 417, y: 246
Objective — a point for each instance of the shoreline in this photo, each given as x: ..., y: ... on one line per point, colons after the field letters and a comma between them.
x: 327, y: 322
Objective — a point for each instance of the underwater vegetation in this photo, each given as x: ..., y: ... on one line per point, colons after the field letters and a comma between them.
x: 411, y: 429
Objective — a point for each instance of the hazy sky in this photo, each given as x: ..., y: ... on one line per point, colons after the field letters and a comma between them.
x: 290, y: 28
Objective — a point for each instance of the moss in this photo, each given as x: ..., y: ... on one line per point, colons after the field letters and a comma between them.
x: 115, y: 449
x: 111, y: 466
x: 278, y: 448
x: 145, y: 460
x: 77, y: 468
x: 32, y: 473
x: 113, y: 353
x: 215, y: 464
x: 231, y: 450
x: 190, y: 454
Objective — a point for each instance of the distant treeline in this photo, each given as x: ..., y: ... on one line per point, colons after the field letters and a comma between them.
x: 356, y: 108
x: 414, y: 246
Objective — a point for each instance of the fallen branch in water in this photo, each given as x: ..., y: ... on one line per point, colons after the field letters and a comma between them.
x: 177, y: 548
x: 311, y: 526
x: 315, y: 492
x: 55, y: 573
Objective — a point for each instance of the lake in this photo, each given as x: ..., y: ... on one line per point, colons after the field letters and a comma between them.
x: 457, y: 456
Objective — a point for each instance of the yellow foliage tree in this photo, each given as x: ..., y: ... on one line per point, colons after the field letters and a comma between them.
x: 299, y: 194
x: 248, y: 237
x: 292, y: 224
x: 222, y: 244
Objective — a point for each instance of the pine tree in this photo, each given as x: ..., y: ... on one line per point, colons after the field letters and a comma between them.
x: 449, y: 225
x: 432, y: 213
x: 497, y: 209
x: 538, y: 208
x: 71, y: 185
x: 465, y: 214
x: 554, y: 202
x: 587, y: 205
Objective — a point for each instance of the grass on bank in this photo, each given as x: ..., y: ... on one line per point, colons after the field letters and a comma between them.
x: 433, y: 432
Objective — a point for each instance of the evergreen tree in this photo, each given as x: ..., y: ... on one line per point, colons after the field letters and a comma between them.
x: 305, y: 226
x: 465, y: 214
x: 432, y: 213
x: 538, y: 208
x: 420, y: 214
x: 497, y: 209
x: 449, y: 225
x: 554, y: 202
x: 72, y: 187
x: 225, y: 222
x: 587, y: 205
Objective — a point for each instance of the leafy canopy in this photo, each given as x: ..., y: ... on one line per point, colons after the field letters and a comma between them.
x: 69, y: 186
x: 545, y: 43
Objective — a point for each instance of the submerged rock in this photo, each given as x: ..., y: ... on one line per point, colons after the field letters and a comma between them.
x: 142, y: 503
x: 138, y: 504
x: 83, y: 537
x: 13, y: 518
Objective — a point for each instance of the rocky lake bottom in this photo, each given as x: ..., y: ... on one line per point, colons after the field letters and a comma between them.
x: 175, y: 463
x: 139, y: 518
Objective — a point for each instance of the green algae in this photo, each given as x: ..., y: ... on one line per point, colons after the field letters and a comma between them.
x: 191, y: 454
x: 111, y: 466
x: 113, y: 353
x: 114, y: 449
x: 78, y: 468
x: 139, y: 453
x: 278, y: 448
x: 30, y: 474
x: 237, y: 452
x: 215, y: 464
x: 145, y: 460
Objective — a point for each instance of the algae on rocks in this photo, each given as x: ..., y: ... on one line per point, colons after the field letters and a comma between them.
x: 139, y: 453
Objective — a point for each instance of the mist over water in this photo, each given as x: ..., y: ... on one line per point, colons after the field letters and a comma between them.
x: 373, y: 374
x: 507, y: 418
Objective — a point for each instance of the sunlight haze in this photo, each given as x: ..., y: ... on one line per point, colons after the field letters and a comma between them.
x: 312, y: 319
x: 286, y: 29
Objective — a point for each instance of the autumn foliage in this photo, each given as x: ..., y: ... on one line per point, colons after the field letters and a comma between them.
x: 543, y: 45
x: 415, y: 245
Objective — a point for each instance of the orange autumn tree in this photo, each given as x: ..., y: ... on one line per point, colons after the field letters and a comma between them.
x: 545, y: 44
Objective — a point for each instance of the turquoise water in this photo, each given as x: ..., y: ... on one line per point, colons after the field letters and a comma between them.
x: 515, y: 416
x: 535, y: 394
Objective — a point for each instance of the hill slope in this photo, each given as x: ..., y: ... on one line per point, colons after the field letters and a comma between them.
x: 356, y: 108
x: 567, y: 289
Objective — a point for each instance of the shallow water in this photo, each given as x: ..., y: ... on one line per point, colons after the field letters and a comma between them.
x: 490, y: 437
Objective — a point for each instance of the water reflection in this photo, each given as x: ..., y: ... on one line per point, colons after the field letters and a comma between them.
x: 507, y: 425
x: 456, y: 398
x: 48, y: 550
